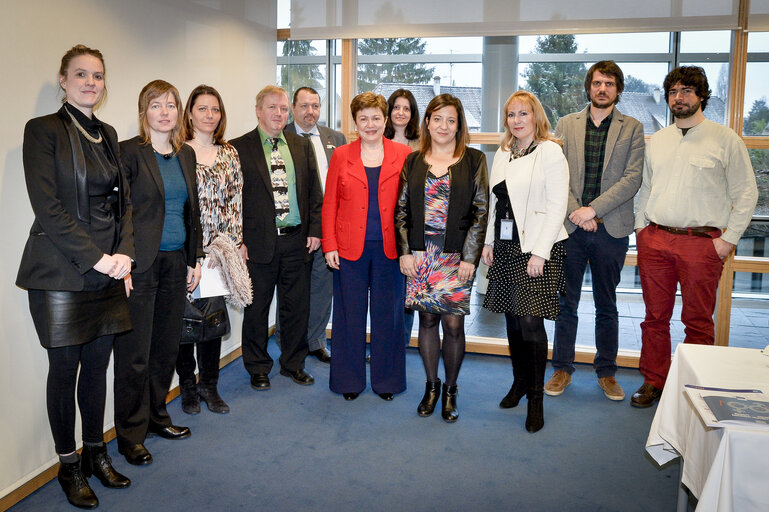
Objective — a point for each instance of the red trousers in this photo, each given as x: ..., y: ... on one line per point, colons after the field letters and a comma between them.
x: 665, y: 260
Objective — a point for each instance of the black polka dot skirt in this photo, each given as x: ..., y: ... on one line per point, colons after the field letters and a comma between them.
x: 511, y: 290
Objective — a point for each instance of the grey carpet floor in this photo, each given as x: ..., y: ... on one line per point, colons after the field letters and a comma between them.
x: 298, y: 448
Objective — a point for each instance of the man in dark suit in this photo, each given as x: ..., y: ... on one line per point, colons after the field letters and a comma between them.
x: 306, y: 110
x: 282, y: 202
x: 605, y: 151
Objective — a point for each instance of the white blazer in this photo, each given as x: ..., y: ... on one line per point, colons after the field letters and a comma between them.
x: 538, y: 185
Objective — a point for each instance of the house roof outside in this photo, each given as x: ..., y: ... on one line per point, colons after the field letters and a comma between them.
x: 649, y: 108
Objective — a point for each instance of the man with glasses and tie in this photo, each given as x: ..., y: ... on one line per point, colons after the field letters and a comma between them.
x: 282, y: 201
x: 306, y: 110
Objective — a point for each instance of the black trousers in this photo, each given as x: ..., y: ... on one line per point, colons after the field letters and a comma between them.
x: 145, y: 357
x: 208, y: 355
x: 289, y: 272
x: 63, y: 362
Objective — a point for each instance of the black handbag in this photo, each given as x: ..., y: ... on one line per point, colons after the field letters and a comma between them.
x: 205, y: 319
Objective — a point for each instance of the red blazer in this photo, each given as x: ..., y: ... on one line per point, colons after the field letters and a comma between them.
x: 345, y: 203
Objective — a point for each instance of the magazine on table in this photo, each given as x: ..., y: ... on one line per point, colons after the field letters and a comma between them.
x: 720, y: 407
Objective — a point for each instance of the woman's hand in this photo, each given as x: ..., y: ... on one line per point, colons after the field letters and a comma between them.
x: 332, y: 259
x: 408, y: 265
x: 193, y: 277
x: 243, y: 250
x: 487, y: 256
x: 116, y: 266
x: 129, y: 285
x: 536, y: 266
x: 465, y: 271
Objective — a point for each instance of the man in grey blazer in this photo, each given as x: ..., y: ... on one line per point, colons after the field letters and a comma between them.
x: 306, y: 109
x: 605, y: 151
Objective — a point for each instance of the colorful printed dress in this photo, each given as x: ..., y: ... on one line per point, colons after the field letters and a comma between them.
x: 437, y: 287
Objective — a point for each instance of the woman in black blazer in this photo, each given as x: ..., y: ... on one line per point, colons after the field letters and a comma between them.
x: 76, y: 265
x: 440, y: 224
x: 161, y: 171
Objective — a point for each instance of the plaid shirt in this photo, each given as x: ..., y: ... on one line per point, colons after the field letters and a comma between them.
x: 595, y: 150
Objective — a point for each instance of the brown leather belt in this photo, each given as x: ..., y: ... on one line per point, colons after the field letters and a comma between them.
x: 694, y: 231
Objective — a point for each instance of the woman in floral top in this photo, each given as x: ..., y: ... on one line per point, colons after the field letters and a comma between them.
x: 220, y: 185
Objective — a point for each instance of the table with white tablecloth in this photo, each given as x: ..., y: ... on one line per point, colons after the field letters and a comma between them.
x: 727, y: 468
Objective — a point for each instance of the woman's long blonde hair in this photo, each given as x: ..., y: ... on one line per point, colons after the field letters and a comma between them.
x: 542, y: 128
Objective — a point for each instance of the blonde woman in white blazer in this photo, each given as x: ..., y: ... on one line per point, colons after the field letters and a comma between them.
x: 525, y: 249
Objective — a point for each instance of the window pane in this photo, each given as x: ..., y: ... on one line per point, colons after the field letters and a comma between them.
x: 760, y: 160
x: 758, y: 42
x: 748, y: 325
x: 646, y: 42
x: 715, y: 41
x: 302, y: 48
x: 293, y: 76
x: 558, y: 85
x: 643, y: 98
x: 755, y: 110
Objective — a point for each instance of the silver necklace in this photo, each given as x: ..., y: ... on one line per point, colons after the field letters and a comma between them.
x: 87, y: 135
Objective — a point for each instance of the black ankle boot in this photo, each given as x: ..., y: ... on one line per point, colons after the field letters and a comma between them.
x: 97, y: 462
x: 449, y: 411
x: 432, y: 393
x: 535, y: 416
x: 190, y: 400
x: 75, y: 486
x: 210, y: 395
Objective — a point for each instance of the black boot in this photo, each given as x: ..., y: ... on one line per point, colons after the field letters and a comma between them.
x: 185, y: 368
x: 208, y: 363
x: 96, y: 461
x: 449, y: 411
x: 520, y: 372
x: 75, y: 486
x: 432, y: 393
x: 190, y: 400
x: 535, y: 417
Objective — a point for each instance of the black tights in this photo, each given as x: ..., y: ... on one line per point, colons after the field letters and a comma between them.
x: 63, y: 362
x: 453, y: 345
x: 525, y: 329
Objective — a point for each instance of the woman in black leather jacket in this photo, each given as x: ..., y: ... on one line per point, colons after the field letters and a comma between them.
x: 441, y: 224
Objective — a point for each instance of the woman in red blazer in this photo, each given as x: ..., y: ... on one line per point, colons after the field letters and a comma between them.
x: 359, y: 244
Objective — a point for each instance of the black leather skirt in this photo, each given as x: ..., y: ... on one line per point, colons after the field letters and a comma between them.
x: 65, y: 318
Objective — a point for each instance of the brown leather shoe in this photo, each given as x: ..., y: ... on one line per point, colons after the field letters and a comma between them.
x: 611, y: 388
x: 557, y: 383
x: 645, y: 396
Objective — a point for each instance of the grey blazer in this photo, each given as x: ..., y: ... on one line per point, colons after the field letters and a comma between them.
x: 332, y: 139
x: 622, y: 169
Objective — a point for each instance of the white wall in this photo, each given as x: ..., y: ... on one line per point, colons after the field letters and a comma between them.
x: 229, y: 44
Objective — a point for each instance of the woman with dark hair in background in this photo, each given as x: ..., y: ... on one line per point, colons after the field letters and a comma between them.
x: 359, y: 244
x: 441, y: 224
x: 164, y: 195
x: 76, y: 265
x: 220, y: 185
x: 403, y: 126
x: 525, y: 248
x: 403, y: 119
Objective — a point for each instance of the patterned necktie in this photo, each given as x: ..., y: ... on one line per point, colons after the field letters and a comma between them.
x: 279, y: 179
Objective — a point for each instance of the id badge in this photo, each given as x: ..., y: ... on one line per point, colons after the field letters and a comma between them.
x: 506, y: 229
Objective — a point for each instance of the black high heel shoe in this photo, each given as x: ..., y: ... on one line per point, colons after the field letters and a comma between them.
x: 432, y: 394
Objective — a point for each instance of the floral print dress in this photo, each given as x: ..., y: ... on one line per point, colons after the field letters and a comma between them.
x: 437, y: 287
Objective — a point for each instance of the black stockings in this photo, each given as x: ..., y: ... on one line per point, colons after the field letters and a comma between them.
x: 453, y: 345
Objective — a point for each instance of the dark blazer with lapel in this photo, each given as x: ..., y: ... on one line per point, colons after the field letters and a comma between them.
x: 345, y: 204
x: 59, y: 249
x: 622, y: 169
x: 259, y: 231
x: 332, y: 139
x: 468, y: 211
x: 148, y: 199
